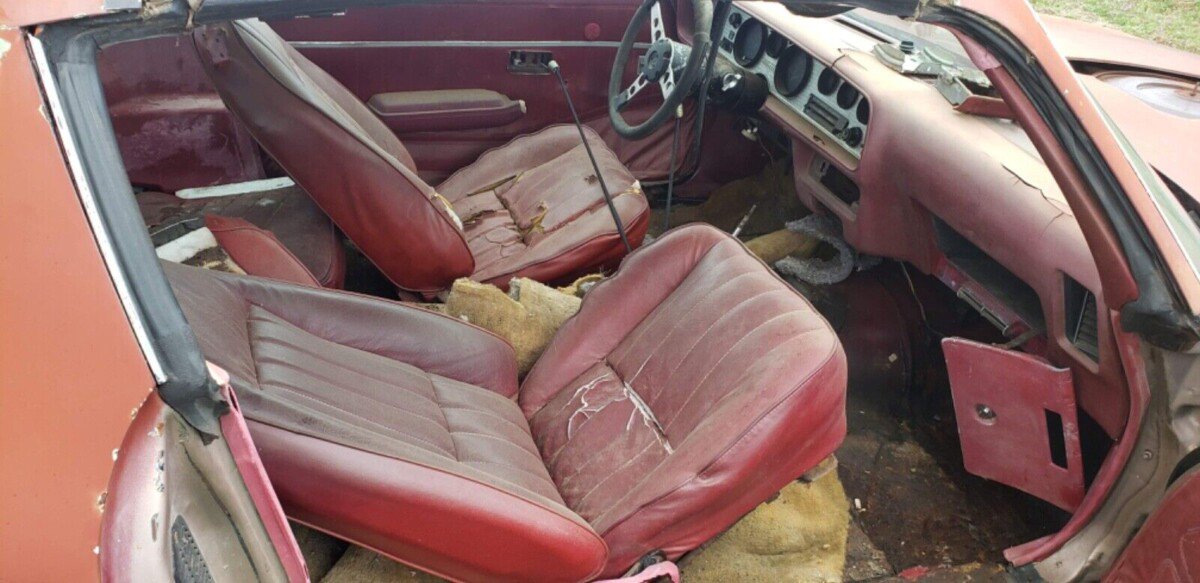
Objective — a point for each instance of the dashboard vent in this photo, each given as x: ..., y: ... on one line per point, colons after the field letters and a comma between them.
x: 824, y: 116
x: 1081, y: 318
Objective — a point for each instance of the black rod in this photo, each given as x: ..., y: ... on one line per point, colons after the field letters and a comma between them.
x: 553, y: 66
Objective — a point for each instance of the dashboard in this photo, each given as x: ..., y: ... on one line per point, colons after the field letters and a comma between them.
x: 963, y: 197
x: 809, y: 87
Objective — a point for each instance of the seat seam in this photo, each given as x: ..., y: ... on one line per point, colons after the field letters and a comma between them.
x: 717, y: 363
x: 485, y: 412
x: 534, y: 452
x: 437, y: 401
x: 614, y: 473
x: 387, y: 382
x: 366, y: 397
x: 636, y: 220
x: 520, y: 496
x: 645, y: 325
x: 564, y: 479
x: 706, y: 332
x: 300, y: 392
x: 712, y: 405
x: 541, y: 479
x: 679, y: 322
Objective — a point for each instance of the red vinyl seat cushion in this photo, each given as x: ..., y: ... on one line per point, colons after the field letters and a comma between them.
x: 690, y: 387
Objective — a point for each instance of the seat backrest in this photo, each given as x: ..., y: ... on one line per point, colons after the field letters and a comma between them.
x: 691, y: 385
x: 331, y: 144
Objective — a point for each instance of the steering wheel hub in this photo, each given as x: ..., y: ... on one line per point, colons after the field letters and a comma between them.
x: 658, y: 60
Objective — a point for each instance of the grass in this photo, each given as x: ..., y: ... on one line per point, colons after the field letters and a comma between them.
x: 1171, y: 22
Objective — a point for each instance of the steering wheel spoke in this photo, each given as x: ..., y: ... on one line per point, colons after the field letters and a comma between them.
x: 658, y: 30
x: 667, y: 82
x: 630, y: 92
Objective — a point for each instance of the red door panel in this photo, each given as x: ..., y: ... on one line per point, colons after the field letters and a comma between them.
x: 174, y: 132
x: 467, y: 46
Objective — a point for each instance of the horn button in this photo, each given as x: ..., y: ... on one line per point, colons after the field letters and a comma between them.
x: 657, y: 61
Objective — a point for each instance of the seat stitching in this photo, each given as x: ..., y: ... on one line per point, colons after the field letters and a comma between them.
x: 524, y: 429
x: 713, y: 405
x: 608, y: 372
x: 657, y: 313
x: 492, y: 151
x: 679, y: 321
x: 300, y: 392
x: 718, y: 362
x: 288, y: 344
x: 563, y: 448
x: 541, y: 480
x: 533, y: 452
x: 393, y: 408
x: 445, y: 422
x: 594, y: 456
x: 339, y: 365
x: 537, y: 365
x: 704, y: 334
x: 631, y: 225
x: 613, y: 474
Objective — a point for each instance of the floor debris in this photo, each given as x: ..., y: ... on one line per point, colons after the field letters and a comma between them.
x: 800, y: 535
x: 782, y: 243
x: 320, y: 551
x: 527, y: 316
x: 360, y: 565
x: 773, y: 190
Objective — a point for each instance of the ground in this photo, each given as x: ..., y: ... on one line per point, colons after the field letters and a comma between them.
x: 1170, y: 22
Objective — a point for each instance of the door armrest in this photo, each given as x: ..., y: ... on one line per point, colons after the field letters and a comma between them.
x: 457, y: 109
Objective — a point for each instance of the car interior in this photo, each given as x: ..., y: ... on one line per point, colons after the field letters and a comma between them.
x: 825, y: 247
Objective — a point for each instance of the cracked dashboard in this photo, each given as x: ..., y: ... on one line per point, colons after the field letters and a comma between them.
x: 964, y: 197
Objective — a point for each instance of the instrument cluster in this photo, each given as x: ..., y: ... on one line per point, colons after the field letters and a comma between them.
x: 809, y: 87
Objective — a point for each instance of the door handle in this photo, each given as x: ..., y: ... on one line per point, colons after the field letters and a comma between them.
x: 529, y: 62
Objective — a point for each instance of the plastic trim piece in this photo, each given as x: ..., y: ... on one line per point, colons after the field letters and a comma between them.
x: 67, y: 67
x: 90, y: 207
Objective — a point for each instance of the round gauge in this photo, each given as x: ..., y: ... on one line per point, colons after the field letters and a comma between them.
x: 847, y: 95
x: 863, y: 113
x: 776, y: 43
x: 749, y: 43
x: 792, y: 71
x: 828, y: 82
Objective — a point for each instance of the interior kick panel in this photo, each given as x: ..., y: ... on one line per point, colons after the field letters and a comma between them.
x: 1016, y: 420
x: 961, y: 197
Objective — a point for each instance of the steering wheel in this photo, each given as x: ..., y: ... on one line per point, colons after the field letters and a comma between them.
x: 675, y: 67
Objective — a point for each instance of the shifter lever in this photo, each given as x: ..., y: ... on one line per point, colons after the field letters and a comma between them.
x: 552, y: 66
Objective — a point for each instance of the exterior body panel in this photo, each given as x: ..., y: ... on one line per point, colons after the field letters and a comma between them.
x: 70, y: 369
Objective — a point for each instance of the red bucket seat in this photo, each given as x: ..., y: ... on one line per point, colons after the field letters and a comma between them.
x: 531, y: 208
x: 690, y: 387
